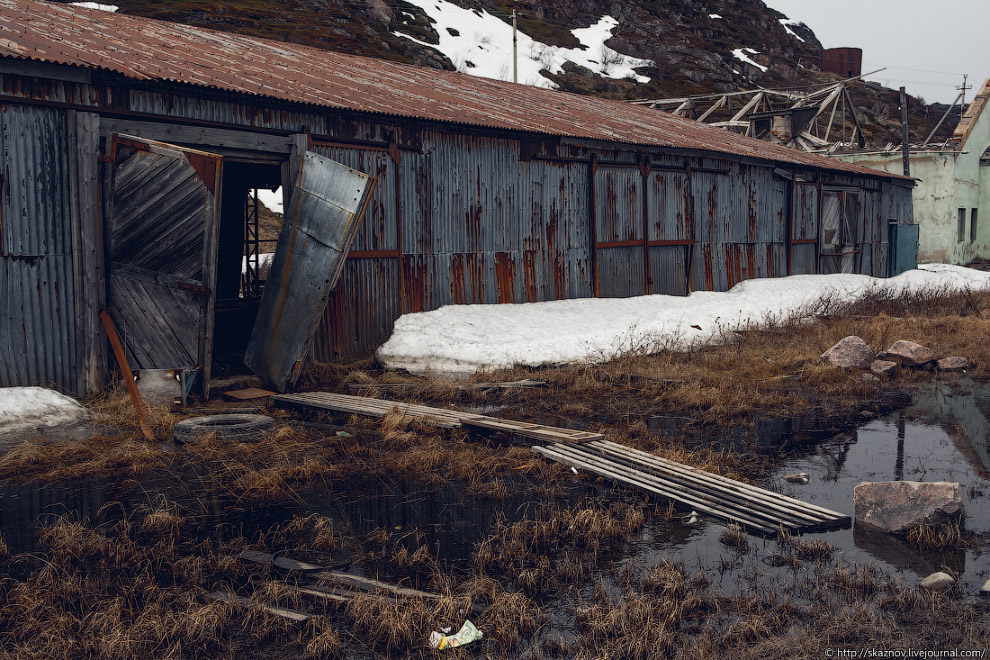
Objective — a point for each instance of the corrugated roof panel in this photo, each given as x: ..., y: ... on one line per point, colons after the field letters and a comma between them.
x: 146, y: 49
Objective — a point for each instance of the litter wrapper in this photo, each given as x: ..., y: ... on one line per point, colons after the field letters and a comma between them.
x: 467, y: 634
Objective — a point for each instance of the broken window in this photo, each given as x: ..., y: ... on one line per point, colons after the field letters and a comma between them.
x: 972, y: 226
x: 961, y: 226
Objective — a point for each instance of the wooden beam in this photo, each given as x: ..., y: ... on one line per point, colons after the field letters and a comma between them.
x: 198, y: 135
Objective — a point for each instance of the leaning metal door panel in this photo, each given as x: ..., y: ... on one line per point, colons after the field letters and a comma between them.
x: 326, y: 209
x: 161, y: 229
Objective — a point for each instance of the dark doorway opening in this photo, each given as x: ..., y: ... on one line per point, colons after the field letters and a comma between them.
x: 248, y: 232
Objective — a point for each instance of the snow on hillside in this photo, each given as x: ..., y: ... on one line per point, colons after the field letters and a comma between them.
x: 480, y: 44
x: 741, y: 54
x: 95, y: 5
x: 465, y: 338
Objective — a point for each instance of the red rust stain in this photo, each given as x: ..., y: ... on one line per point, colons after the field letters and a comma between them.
x: 206, y: 167
x: 529, y: 273
x: 414, y: 283
x: 457, y: 279
x: 559, y: 283
x: 712, y: 210
x: 475, y: 269
x: 505, y: 270
x: 551, y: 227
x: 752, y: 215
x: 709, y: 271
x: 751, y: 260
x: 730, y: 267
x: 770, y: 272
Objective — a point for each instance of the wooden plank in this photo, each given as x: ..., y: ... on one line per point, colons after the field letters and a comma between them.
x: 793, y: 510
x: 242, y: 601
x: 361, y: 583
x: 777, y: 497
x: 556, y: 454
x: 200, y: 136
x: 730, y: 510
x: 248, y: 394
x: 537, y: 431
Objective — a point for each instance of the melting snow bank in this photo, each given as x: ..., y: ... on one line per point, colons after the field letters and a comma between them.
x: 461, y: 339
x: 26, y: 409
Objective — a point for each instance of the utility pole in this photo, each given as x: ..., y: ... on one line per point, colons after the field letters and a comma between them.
x: 905, y: 147
x: 515, y: 62
x: 962, y: 104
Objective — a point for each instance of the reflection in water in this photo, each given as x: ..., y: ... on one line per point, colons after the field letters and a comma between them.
x: 942, y: 435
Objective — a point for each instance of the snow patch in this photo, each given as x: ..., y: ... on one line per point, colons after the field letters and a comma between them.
x: 714, y: 16
x: 95, y: 5
x: 264, y: 263
x: 787, y: 23
x: 271, y: 199
x: 483, y: 47
x: 461, y: 339
x: 26, y: 409
x: 740, y: 54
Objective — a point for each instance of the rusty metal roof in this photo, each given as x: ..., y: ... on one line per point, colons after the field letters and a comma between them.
x: 146, y: 49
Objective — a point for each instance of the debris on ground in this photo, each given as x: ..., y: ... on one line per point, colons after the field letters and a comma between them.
x: 849, y: 353
x: 240, y: 426
x: 798, y: 478
x: 27, y: 409
x: 897, y: 506
x: 938, y: 582
x: 467, y: 634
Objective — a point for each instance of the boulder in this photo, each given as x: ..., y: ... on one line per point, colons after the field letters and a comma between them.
x: 908, y: 353
x: 849, y: 353
x: 938, y: 582
x: 885, y: 368
x: 954, y: 363
x: 897, y: 506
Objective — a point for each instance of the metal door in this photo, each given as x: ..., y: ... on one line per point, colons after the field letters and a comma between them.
x: 324, y: 214
x: 161, y: 232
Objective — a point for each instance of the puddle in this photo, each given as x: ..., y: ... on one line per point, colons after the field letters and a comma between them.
x: 941, y: 435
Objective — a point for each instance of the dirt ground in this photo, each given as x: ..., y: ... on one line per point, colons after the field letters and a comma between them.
x: 547, y: 576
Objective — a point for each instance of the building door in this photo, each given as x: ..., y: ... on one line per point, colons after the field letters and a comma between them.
x: 161, y: 232
x: 323, y: 215
x: 841, y: 227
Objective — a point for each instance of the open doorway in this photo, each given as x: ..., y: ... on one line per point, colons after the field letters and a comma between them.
x: 249, y: 230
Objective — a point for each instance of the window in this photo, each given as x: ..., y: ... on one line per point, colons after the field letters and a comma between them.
x: 961, y: 228
x: 972, y: 226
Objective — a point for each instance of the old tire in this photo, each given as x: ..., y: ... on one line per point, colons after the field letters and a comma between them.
x: 240, y: 427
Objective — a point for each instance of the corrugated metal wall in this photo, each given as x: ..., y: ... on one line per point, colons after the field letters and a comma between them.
x: 457, y: 218
x: 37, y: 316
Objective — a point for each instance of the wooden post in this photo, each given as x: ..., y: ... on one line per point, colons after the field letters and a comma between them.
x: 905, y: 140
x: 118, y: 351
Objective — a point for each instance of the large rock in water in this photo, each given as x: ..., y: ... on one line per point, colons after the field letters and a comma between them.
x: 908, y: 353
x: 954, y: 363
x: 938, y: 582
x: 850, y: 353
x: 897, y: 506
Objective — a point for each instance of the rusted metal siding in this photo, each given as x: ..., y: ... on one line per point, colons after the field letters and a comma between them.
x: 150, y: 51
x: 37, y: 320
x: 462, y: 221
x: 804, y: 229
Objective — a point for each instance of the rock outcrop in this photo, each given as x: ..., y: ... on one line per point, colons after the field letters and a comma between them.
x: 897, y: 506
x: 849, y: 353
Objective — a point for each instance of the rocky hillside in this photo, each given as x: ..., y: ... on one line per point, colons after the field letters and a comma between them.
x: 621, y: 49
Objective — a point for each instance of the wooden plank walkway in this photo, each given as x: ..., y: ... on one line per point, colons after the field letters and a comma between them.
x: 756, y: 509
x: 441, y: 417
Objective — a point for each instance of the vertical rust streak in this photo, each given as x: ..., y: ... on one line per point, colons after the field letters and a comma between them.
x: 398, y: 231
x: 593, y: 213
x: 818, y: 226
x: 692, y: 227
x: 645, y: 172
x: 789, y: 221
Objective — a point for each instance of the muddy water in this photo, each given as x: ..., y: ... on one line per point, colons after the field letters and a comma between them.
x: 941, y: 436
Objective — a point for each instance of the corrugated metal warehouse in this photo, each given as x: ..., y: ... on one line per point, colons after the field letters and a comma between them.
x: 487, y: 192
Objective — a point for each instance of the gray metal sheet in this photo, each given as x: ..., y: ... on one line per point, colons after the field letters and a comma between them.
x: 37, y: 321
x: 328, y: 201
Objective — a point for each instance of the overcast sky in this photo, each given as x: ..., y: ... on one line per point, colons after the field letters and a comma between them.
x: 926, y: 45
